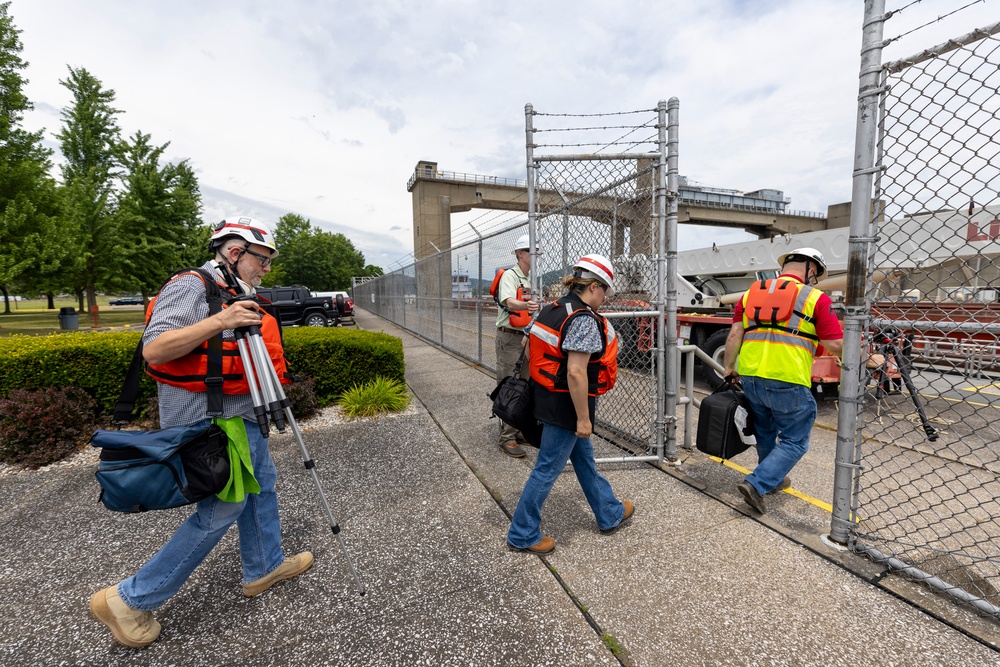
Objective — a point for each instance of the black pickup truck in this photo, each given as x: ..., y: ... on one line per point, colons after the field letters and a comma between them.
x: 297, y: 306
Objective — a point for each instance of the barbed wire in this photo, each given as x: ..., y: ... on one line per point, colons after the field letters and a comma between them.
x: 929, y: 23
x: 584, y: 129
x: 603, y: 144
x: 592, y: 115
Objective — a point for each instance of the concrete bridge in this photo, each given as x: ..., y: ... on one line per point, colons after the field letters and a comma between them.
x: 437, y: 194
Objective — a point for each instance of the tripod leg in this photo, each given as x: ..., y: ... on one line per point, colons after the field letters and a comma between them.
x: 904, y: 373
x: 310, y: 465
x: 265, y: 374
x: 267, y: 378
x: 260, y: 413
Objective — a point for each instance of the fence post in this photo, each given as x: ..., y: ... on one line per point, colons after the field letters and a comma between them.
x: 666, y: 269
x: 851, y: 391
x: 529, y: 149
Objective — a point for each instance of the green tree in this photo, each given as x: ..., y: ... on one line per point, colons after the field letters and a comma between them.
x: 187, y: 207
x: 312, y: 257
x: 158, y: 213
x: 27, y: 193
x: 88, y: 140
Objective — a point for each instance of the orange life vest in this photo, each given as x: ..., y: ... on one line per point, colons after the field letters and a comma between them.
x: 769, y: 303
x: 553, y: 404
x: 192, y: 371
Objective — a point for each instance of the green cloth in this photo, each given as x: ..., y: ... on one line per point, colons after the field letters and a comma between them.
x: 241, y: 479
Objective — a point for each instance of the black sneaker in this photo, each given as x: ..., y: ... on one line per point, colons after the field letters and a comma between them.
x: 752, y: 498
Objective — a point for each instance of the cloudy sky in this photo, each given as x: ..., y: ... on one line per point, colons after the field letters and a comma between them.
x: 324, y: 107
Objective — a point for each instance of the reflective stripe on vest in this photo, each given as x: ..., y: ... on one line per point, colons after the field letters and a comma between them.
x: 191, y: 370
x: 784, y: 352
x: 548, y: 360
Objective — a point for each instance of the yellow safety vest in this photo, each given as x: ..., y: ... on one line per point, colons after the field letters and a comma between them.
x: 784, y: 351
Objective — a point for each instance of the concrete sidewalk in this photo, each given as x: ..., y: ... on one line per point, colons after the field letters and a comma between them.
x: 424, y: 500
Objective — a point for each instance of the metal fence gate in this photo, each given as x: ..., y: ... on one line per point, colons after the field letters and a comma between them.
x: 598, y: 183
x: 918, y: 475
x: 614, y: 200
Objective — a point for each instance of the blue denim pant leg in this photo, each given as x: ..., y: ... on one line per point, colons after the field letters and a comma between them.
x: 608, y: 510
x: 258, y: 524
x: 784, y: 415
x: 164, y: 574
x: 553, y: 453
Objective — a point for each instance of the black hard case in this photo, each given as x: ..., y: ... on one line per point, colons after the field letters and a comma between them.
x: 718, y: 434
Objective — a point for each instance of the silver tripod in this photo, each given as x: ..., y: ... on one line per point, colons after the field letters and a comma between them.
x: 270, y: 403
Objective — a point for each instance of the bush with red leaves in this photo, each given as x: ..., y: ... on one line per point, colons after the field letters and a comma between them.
x: 41, y: 427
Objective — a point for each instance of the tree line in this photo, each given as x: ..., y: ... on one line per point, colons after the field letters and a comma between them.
x: 118, y: 219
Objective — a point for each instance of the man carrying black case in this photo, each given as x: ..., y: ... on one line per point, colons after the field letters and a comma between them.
x: 725, y: 425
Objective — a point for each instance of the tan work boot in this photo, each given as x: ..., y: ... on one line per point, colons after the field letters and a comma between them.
x: 292, y: 567
x: 131, y: 627
x: 543, y: 547
x: 629, y: 511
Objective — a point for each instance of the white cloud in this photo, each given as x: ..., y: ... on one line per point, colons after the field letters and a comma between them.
x: 324, y: 108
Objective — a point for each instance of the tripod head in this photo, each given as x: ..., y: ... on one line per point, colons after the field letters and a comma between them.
x: 232, y: 279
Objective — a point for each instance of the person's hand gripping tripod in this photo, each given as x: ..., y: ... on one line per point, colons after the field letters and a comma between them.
x: 271, y: 403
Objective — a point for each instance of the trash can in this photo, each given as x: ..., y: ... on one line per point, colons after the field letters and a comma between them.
x: 68, y: 319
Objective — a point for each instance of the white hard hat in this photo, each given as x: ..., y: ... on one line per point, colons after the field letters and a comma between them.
x: 599, y: 267
x: 248, y: 229
x: 803, y: 254
x: 524, y: 243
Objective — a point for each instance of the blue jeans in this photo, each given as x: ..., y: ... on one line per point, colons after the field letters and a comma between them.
x: 256, y: 518
x: 784, y: 415
x: 558, y: 446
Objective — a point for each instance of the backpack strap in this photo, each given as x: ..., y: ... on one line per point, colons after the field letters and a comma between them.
x: 130, y: 388
x: 213, y: 371
x: 496, y: 297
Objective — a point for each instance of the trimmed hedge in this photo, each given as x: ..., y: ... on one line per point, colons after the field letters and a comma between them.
x: 335, y: 358
x: 338, y: 358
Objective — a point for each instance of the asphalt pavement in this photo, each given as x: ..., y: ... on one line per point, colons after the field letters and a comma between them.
x: 424, y: 499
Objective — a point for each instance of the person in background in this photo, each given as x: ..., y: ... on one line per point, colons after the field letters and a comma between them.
x: 510, y: 339
x: 775, y: 334
x: 574, y: 359
x: 174, y: 344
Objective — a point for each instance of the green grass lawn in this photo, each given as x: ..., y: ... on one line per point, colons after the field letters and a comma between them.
x: 32, y: 317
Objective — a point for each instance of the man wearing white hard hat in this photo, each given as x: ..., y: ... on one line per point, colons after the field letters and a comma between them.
x: 510, y: 337
x: 175, y: 346
x: 778, y: 326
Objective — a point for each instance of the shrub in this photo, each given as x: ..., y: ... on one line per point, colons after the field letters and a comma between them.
x: 334, y: 359
x: 94, y: 362
x: 40, y: 427
x: 338, y: 359
x: 379, y: 395
x: 302, y: 396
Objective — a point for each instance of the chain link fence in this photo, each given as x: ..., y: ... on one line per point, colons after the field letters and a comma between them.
x: 612, y: 201
x: 923, y: 408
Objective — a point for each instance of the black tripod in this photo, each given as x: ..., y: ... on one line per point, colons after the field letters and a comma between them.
x: 270, y: 403
x: 885, y: 345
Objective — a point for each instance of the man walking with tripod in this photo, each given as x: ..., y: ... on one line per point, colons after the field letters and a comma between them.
x: 179, y: 328
x: 777, y: 328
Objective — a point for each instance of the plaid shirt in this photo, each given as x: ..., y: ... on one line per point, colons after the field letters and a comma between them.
x: 182, y: 303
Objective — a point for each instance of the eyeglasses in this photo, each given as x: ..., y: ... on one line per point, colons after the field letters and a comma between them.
x: 265, y: 261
